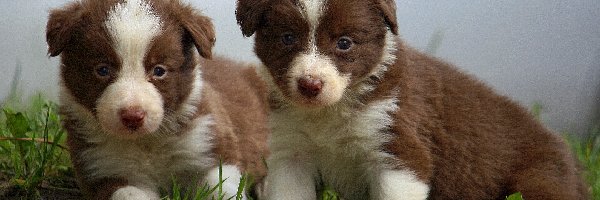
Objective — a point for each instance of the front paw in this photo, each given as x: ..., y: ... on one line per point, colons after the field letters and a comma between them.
x: 230, y: 177
x: 401, y: 184
x: 134, y: 193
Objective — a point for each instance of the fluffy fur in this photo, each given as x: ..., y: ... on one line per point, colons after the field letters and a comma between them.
x: 384, y: 121
x: 141, y: 107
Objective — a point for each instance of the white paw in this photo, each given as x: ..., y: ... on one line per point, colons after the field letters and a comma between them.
x: 401, y: 184
x: 134, y: 193
x: 291, y: 182
x: 231, y: 176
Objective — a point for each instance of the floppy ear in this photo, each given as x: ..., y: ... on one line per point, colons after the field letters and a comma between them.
x: 388, y: 10
x: 201, y: 29
x: 60, y: 27
x: 249, y: 15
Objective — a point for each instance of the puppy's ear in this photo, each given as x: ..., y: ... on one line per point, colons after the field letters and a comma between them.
x: 249, y: 15
x: 201, y: 29
x: 388, y: 10
x: 60, y: 27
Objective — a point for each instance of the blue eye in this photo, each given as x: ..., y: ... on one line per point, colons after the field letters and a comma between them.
x: 344, y: 43
x: 102, y: 70
x: 159, y: 71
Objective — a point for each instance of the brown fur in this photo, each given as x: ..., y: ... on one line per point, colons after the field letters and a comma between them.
x: 231, y: 93
x: 473, y: 143
x: 459, y: 136
x: 237, y: 97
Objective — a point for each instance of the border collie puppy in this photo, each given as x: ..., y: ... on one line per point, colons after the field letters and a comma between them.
x: 139, y: 106
x: 355, y: 109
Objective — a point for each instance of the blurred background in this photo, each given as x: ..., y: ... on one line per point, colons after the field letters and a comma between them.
x: 542, y: 53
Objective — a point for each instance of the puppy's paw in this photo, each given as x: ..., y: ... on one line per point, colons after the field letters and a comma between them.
x: 231, y: 179
x: 402, y: 184
x: 134, y: 193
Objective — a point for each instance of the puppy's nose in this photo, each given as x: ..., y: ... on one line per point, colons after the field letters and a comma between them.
x: 310, y: 87
x: 133, y: 118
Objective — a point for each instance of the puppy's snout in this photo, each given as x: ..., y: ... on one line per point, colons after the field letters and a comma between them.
x: 133, y: 118
x: 310, y: 87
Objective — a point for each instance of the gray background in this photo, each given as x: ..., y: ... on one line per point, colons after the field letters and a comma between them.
x: 544, y: 51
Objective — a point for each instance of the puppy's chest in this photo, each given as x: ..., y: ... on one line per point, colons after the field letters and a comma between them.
x: 351, y: 134
x: 348, y: 168
x: 153, y: 160
x: 346, y: 146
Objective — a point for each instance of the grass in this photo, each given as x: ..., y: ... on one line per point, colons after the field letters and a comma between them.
x: 31, y: 142
x: 329, y: 194
x: 515, y: 196
x: 587, y: 150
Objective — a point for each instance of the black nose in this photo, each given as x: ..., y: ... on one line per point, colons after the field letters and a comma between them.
x: 133, y: 118
x: 310, y: 87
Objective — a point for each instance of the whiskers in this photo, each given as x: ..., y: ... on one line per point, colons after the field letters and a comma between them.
x: 174, y: 121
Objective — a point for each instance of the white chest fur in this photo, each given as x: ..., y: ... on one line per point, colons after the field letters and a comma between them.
x: 341, y: 147
x: 152, y: 162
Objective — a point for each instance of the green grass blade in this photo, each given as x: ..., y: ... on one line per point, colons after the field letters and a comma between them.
x: 515, y: 196
x: 329, y: 194
x: 220, y: 180
x: 241, y: 187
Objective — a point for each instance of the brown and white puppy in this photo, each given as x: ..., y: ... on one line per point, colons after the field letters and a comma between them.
x: 355, y: 109
x: 141, y: 109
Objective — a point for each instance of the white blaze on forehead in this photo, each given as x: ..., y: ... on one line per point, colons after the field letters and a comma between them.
x: 312, y: 10
x: 132, y: 26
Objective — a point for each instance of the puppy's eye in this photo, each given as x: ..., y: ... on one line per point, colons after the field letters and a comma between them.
x: 344, y: 43
x: 159, y: 71
x: 288, y: 39
x: 102, y: 71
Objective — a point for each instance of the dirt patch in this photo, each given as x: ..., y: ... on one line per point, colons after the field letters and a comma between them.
x: 62, y: 188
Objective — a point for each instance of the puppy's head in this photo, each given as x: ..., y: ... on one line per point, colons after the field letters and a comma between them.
x: 128, y: 63
x: 319, y: 51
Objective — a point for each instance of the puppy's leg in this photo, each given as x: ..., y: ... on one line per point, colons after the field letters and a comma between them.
x: 231, y: 176
x: 134, y: 193
x: 290, y: 178
x: 399, y: 184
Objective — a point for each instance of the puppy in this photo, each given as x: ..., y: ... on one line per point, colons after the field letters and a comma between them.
x: 139, y: 107
x: 355, y: 109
